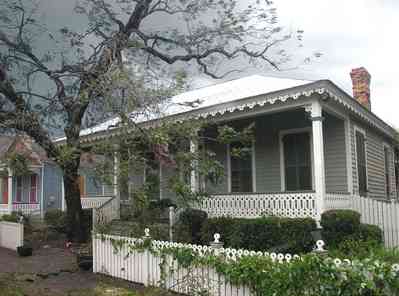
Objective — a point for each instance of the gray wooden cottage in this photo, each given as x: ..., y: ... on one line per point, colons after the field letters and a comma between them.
x: 315, y: 148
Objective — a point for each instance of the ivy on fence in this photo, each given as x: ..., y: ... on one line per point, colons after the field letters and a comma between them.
x: 272, y: 274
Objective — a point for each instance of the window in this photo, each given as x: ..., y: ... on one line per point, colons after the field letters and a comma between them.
x: 297, y: 162
x: 241, y: 168
x: 361, y: 162
x: 18, y: 196
x: 33, y: 189
x: 387, y: 166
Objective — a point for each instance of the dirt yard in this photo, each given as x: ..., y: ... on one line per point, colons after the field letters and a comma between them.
x: 53, y: 271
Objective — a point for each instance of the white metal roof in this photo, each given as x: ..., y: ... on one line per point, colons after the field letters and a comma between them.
x: 250, y: 86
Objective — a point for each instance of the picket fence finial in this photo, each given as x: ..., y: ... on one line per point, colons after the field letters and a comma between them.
x: 320, y: 246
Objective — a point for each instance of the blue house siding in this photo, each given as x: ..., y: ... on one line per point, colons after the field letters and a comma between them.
x: 52, y: 187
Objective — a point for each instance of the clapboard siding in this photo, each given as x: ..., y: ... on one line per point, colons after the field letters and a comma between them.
x: 267, y: 149
x: 334, y: 154
x: 375, y: 162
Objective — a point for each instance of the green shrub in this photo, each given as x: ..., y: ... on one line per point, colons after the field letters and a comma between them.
x: 339, y: 225
x: 263, y: 234
x: 13, y: 217
x: 193, y: 219
x: 222, y: 225
x: 182, y: 233
x: 368, y: 232
x: 56, y: 219
x: 158, y: 231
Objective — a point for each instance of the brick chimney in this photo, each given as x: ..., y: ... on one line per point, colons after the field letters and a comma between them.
x: 361, y: 86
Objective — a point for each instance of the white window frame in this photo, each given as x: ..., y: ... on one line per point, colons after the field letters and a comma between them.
x: 253, y: 167
x: 362, y: 131
x: 282, y: 133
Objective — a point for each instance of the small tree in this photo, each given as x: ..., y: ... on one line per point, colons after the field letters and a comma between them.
x: 81, y: 67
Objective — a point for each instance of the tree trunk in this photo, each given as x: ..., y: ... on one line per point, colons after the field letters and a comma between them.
x: 76, y: 228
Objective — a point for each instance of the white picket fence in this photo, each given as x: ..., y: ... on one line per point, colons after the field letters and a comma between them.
x: 382, y: 213
x: 11, y: 235
x: 144, y: 267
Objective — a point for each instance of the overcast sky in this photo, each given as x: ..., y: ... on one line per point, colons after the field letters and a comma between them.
x: 349, y: 33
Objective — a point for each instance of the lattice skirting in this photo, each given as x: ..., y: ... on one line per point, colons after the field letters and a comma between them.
x: 254, y: 205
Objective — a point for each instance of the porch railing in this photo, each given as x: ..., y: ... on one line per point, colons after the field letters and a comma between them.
x: 106, y: 212
x: 338, y: 201
x: 25, y: 208
x: 92, y: 202
x: 288, y: 204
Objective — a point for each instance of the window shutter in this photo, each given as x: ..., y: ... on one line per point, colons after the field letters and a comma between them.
x: 82, y: 189
x: 361, y: 163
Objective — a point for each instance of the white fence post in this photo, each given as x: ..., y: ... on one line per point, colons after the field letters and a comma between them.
x: 11, y: 235
x: 171, y: 222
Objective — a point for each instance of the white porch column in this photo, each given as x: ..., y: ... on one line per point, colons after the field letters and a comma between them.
x: 9, y: 190
x: 318, y: 151
x: 194, y: 173
x: 116, y: 185
x: 63, y: 194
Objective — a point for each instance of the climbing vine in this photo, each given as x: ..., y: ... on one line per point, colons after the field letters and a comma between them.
x: 310, y: 274
x: 19, y: 164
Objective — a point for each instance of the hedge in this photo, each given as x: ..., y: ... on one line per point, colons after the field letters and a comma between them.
x: 291, y: 235
x: 192, y: 220
x: 343, y: 225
